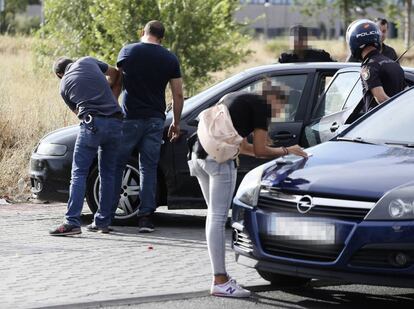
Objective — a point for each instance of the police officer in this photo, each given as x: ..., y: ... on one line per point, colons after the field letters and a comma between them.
x: 386, y: 50
x: 381, y: 77
x: 300, y: 52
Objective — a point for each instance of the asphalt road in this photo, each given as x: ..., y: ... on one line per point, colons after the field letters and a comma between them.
x: 319, y: 294
x: 166, y: 269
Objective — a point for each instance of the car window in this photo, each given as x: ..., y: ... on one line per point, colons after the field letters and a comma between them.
x: 200, y: 98
x: 336, y: 95
x: 292, y: 85
x: 324, y: 81
x: 355, y: 96
x: 391, y: 123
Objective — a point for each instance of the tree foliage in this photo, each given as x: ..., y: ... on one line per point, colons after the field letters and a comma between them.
x: 8, y: 21
x: 346, y: 10
x: 202, y: 33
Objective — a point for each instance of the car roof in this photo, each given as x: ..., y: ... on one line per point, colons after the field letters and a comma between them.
x: 301, y: 66
x: 357, y: 67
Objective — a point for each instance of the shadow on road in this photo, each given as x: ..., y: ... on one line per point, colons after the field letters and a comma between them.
x: 324, y: 294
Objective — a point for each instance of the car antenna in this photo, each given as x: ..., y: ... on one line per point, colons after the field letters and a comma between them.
x: 402, y: 55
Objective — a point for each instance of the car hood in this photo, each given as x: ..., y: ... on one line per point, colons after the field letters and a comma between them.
x: 65, y: 136
x: 344, y: 170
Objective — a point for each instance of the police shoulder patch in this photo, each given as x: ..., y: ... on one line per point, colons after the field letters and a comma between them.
x: 365, y: 73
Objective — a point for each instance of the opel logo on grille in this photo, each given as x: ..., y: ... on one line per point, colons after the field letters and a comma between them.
x: 305, y: 204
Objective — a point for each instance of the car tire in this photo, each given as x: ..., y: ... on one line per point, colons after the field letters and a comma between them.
x: 129, y: 200
x: 283, y: 280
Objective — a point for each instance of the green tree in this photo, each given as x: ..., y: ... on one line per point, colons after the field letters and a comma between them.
x: 8, y: 16
x: 346, y: 10
x: 202, y: 33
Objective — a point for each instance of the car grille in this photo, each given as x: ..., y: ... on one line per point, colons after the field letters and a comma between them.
x: 378, y: 258
x: 274, y: 204
x: 299, y: 250
x: 242, y: 241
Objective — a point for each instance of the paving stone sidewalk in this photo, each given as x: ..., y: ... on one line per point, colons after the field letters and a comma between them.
x: 38, y: 270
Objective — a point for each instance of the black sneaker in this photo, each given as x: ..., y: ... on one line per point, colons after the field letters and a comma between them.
x: 93, y: 228
x: 66, y: 229
x: 145, y: 225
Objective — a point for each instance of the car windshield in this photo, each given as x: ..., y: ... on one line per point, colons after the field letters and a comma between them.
x: 200, y: 98
x: 392, y: 124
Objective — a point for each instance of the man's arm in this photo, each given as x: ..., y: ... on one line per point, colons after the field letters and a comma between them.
x: 114, y: 80
x: 176, y: 85
x: 379, y: 94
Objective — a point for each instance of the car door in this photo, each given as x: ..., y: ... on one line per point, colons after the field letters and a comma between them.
x: 334, y: 107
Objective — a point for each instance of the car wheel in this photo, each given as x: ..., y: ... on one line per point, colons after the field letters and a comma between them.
x: 283, y: 280
x: 129, y: 195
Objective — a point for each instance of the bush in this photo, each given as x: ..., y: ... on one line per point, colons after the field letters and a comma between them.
x: 202, y: 33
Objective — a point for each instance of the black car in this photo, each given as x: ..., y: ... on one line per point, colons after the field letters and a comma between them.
x: 303, y: 121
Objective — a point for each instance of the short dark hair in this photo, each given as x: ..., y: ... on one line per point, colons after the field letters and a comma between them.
x: 381, y: 21
x: 155, y: 28
x: 60, y: 64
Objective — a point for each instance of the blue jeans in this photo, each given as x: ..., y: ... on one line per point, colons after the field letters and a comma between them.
x: 145, y: 135
x: 102, y: 136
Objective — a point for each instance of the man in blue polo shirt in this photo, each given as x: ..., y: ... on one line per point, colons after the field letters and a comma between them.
x: 147, y: 68
x: 87, y: 92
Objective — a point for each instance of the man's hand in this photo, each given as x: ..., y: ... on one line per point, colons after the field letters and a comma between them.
x: 174, y: 132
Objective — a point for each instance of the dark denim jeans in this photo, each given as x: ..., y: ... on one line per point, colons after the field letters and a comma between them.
x: 146, y: 136
x: 102, y: 136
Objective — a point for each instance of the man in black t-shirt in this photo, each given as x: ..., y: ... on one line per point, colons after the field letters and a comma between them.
x: 147, y: 68
x: 299, y: 48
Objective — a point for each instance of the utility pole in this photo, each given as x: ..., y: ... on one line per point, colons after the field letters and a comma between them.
x: 2, y: 15
x: 266, y: 8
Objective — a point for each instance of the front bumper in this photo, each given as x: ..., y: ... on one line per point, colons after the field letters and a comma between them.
x: 364, y: 252
x: 50, y: 176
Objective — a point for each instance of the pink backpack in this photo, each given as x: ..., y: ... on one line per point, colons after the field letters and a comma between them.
x: 217, y: 134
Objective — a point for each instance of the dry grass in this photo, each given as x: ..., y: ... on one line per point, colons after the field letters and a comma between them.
x: 30, y: 105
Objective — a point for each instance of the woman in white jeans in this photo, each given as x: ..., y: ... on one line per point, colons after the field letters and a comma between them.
x: 249, y: 114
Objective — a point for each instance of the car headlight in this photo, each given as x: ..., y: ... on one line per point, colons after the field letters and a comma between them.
x: 51, y: 149
x: 397, y: 204
x: 248, y: 192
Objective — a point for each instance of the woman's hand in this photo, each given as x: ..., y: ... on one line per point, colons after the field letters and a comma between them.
x: 297, y: 150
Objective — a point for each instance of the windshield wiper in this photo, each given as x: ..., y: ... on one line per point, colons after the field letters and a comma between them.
x: 355, y: 140
x: 408, y: 145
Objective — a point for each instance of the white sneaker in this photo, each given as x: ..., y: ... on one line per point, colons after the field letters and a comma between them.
x: 229, y: 289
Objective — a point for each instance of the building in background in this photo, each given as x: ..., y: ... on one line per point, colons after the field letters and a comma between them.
x: 273, y: 18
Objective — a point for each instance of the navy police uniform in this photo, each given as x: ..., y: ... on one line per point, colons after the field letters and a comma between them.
x: 378, y: 70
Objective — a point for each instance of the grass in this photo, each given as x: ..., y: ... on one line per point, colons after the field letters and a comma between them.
x: 30, y: 105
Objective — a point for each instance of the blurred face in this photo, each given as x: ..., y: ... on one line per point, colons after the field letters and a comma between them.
x: 297, y: 43
x: 277, y: 106
x: 384, y: 30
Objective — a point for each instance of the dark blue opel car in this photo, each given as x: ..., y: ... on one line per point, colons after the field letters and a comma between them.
x: 345, y: 213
